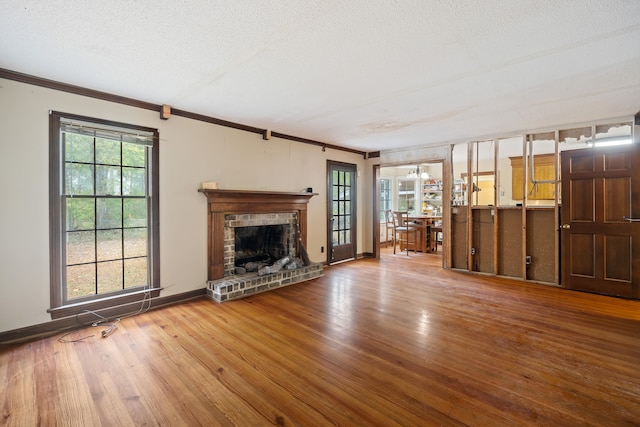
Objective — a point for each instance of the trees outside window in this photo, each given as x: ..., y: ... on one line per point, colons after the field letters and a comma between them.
x: 385, y: 197
x: 104, y: 209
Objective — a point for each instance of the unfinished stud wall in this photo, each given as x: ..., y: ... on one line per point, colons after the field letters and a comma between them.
x: 510, y: 242
x: 483, y: 240
x: 459, y: 237
x: 541, y: 243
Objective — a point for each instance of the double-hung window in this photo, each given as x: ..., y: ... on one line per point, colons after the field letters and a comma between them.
x: 103, y: 213
x: 385, y: 197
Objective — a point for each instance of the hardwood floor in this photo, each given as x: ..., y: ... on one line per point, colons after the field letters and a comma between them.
x: 390, y: 342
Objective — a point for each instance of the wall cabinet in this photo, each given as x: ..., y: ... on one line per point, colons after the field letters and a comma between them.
x: 544, y: 169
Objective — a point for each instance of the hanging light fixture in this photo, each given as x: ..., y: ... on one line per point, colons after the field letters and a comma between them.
x: 415, y: 173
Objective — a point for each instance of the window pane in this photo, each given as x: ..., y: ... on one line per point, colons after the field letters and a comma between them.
x: 133, y: 154
x: 336, y: 238
x: 135, y: 242
x: 109, y: 244
x: 107, y: 180
x: 406, y: 194
x: 81, y: 281
x: 78, y: 179
x: 109, y: 276
x: 135, y: 272
x: 135, y: 212
x: 109, y: 213
x: 107, y: 151
x: 80, y: 247
x: 385, y: 197
x: 133, y: 182
x: 80, y: 214
x: 78, y: 148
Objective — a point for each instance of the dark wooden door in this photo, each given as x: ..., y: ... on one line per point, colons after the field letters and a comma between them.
x: 600, y: 242
x: 341, y: 211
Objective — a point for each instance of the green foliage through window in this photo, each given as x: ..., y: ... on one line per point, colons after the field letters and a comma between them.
x: 105, y: 205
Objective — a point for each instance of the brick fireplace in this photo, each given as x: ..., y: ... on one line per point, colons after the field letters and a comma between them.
x: 232, y: 212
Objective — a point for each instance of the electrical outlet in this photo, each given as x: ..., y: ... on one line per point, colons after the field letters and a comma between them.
x: 473, y: 251
x: 527, y: 259
x: 321, y: 249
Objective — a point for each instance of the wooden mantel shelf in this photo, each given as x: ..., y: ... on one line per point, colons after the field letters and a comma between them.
x: 257, y: 192
x: 249, y: 201
x: 253, y: 195
x: 222, y: 202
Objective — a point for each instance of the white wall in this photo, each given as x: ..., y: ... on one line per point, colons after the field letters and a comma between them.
x: 190, y: 152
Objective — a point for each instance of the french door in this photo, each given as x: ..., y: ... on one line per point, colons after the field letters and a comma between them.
x: 341, y: 211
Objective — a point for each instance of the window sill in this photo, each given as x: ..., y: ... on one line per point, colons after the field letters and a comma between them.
x: 107, y: 307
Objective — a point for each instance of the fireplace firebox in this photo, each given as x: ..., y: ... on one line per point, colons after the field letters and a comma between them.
x: 261, y: 244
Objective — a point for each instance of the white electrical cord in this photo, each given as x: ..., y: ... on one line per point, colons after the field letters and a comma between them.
x: 111, y: 327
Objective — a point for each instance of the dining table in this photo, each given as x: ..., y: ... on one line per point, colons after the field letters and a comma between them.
x: 426, y: 241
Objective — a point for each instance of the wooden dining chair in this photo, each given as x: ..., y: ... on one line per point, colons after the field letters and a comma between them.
x: 403, y: 231
x: 390, y: 228
x: 434, y: 238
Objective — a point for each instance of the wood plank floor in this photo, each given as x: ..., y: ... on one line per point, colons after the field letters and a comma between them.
x: 390, y: 342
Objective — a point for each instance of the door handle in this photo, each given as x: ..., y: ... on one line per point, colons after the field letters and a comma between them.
x: 628, y: 218
x: 565, y: 226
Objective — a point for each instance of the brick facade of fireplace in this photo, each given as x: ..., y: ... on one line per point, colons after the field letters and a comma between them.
x: 233, y: 221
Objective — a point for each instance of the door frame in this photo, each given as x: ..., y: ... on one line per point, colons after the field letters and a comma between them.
x: 445, y: 164
x: 376, y: 210
x: 331, y: 164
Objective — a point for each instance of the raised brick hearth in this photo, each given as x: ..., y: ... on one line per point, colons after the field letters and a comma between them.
x: 242, y: 285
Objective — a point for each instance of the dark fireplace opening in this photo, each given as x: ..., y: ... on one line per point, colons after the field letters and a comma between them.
x: 262, y: 244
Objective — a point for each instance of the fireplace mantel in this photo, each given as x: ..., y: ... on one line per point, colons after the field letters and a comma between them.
x: 225, y: 202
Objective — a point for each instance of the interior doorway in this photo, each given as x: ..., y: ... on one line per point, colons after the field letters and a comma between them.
x: 417, y: 189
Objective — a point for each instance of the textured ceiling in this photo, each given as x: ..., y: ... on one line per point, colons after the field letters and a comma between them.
x: 364, y: 74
